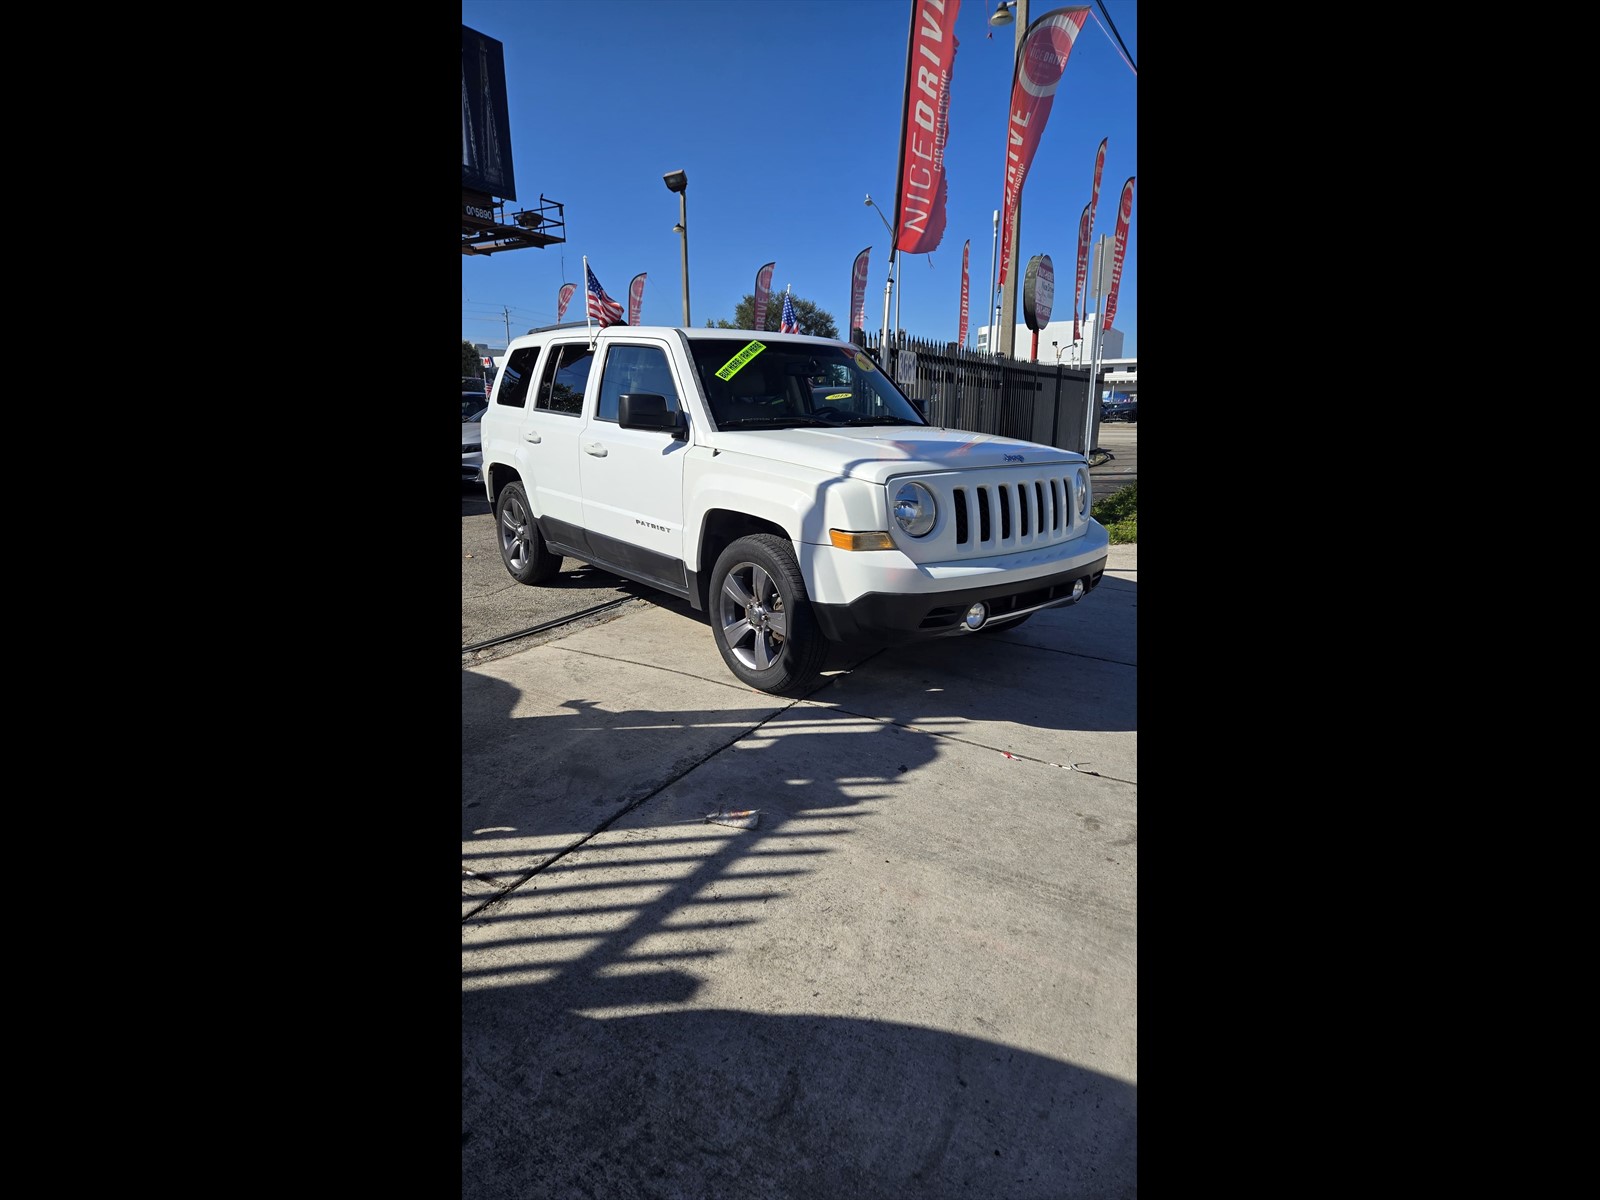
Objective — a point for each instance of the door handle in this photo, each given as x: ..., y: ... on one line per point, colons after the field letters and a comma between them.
x: 596, y: 449
x: 532, y: 436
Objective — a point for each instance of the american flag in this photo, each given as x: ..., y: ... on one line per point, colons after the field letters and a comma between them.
x: 789, y: 324
x: 601, y: 306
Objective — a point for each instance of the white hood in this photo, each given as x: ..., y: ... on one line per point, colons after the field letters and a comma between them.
x: 879, y: 452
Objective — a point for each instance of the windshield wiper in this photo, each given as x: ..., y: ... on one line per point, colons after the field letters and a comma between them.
x: 883, y: 420
x: 773, y: 422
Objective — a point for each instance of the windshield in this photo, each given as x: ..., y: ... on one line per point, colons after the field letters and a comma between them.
x: 753, y: 385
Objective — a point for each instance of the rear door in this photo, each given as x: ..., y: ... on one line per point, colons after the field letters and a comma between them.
x: 552, y: 387
x: 633, y: 478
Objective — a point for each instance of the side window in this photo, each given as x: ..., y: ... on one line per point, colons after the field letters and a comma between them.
x: 635, y: 369
x: 566, y: 376
x: 518, y: 370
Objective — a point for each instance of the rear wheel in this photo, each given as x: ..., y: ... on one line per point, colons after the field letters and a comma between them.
x: 527, y: 558
x: 761, y: 616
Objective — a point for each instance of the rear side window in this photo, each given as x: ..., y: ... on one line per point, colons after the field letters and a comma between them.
x: 518, y: 370
x: 566, y: 375
x: 632, y: 369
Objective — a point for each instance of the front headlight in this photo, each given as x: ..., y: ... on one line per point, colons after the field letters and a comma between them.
x: 1085, y: 493
x: 914, y: 509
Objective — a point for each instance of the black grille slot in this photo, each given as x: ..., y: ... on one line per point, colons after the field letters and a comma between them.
x: 983, y: 514
x: 1057, y: 488
x: 961, y: 516
x: 942, y: 618
x: 1003, y: 502
x: 1044, y: 506
x: 1022, y: 510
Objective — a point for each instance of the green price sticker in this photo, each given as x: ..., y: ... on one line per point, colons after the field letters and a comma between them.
x: 739, y: 361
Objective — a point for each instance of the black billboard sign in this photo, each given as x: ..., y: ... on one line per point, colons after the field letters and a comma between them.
x: 485, y: 118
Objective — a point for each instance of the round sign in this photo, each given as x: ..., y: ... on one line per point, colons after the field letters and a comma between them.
x: 1038, y: 292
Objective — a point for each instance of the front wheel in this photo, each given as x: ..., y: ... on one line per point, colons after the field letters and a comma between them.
x: 522, y: 549
x: 761, y: 616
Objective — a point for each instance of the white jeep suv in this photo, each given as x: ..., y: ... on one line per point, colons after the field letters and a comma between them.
x: 783, y: 486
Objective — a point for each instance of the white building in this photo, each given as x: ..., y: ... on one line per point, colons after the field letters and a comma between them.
x: 1057, y: 335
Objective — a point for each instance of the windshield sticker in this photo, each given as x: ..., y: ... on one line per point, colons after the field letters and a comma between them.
x: 839, y: 396
x: 739, y: 361
x: 864, y: 362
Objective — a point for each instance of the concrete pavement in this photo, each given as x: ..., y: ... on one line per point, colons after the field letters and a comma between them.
x: 914, y: 976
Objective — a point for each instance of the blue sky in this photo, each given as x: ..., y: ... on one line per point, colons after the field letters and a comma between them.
x: 785, y: 115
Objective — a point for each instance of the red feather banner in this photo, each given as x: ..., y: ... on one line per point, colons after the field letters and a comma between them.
x: 1041, y: 60
x: 1118, y: 247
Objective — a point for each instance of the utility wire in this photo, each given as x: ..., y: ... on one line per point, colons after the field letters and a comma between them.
x: 1111, y: 31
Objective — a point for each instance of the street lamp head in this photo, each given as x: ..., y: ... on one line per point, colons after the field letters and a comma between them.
x: 677, y: 229
x: 676, y: 181
x: 1002, y: 15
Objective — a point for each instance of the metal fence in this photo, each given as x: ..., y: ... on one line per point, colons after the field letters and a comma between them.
x: 963, y: 389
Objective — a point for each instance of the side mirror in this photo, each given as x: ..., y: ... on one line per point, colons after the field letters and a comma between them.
x: 648, y: 410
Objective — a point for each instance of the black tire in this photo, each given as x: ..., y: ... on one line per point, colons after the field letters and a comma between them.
x: 527, y: 559
x: 761, y: 617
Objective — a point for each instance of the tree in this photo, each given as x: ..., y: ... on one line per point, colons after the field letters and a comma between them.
x: 471, y: 361
x: 812, y: 319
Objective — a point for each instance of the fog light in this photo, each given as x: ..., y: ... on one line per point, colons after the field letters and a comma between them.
x: 976, y: 615
x: 1077, y: 589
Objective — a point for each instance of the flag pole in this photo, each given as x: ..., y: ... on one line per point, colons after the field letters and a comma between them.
x: 1101, y: 265
x: 993, y: 315
x: 1007, y: 302
x: 899, y: 179
x: 588, y: 319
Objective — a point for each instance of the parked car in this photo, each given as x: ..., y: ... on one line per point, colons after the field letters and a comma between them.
x: 1121, y: 408
x: 471, y: 449
x: 473, y: 404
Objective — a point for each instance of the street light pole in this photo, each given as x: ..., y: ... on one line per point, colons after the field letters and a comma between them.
x: 993, y: 314
x: 889, y: 284
x: 678, y: 181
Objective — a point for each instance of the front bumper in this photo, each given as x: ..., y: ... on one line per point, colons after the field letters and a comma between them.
x: 887, y: 619
x: 472, y: 469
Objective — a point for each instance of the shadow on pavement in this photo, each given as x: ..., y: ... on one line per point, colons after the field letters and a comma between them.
x: 600, y: 1054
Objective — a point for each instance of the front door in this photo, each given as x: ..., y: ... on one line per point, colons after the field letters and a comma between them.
x: 633, y: 478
